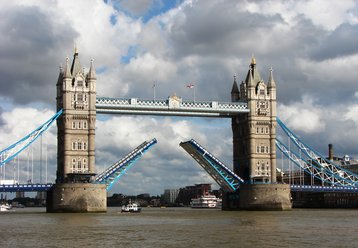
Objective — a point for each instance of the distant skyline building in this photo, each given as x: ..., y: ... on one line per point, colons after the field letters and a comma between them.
x: 170, y: 195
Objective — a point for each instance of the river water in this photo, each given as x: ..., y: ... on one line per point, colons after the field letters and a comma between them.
x: 180, y: 227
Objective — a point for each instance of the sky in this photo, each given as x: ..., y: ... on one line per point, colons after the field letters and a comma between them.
x: 311, y: 46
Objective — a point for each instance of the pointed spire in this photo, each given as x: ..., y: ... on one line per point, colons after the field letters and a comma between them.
x: 76, y: 65
x: 92, y: 72
x: 235, y: 88
x: 60, y: 76
x: 250, y: 81
x: 271, y: 82
x: 67, y: 73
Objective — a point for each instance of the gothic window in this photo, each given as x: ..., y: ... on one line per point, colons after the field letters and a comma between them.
x: 80, y: 83
x: 262, y: 149
x: 73, y: 167
x: 84, y: 164
x: 74, y: 125
x: 80, y: 97
x: 84, y: 145
x: 79, y: 165
x: 267, y: 149
x: 79, y: 145
x: 267, y: 130
x: 85, y: 97
x: 85, y: 124
x: 262, y: 92
x: 258, y: 149
x: 79, y: 125
x: 74, y: 145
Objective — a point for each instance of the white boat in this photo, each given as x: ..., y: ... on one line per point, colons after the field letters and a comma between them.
x: 5, y: 207
x: 131, y: 208
x: 206, y: 201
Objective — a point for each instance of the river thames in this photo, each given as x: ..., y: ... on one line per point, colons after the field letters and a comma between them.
x: 180, y: 227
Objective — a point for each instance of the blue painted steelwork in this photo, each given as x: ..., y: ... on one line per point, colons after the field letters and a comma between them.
x: 25, y: 187
x: 114, y: 172
x: 226, y: 178
x: 315, y: 188
x: 308, y: 166
x: 13, y: 150
x: 336, y: 173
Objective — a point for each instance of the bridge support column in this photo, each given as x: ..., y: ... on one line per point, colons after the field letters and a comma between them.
x: 77, y: 197
x: 265, y: 197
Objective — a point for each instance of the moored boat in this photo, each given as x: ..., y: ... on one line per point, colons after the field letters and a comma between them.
x: 131, y: 208
x: 206, y: 201
x: 5, y: 207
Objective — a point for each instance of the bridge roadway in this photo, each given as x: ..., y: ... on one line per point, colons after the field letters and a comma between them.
x: 294, y: 188
x: 173, y: 106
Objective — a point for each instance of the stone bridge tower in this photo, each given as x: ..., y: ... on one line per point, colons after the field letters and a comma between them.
x: 254, y: 148
x: 76, y: 95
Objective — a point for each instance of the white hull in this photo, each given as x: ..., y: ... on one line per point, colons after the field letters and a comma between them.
x: 5, y: 207
x: 206, y: 201
x: 131, y: 208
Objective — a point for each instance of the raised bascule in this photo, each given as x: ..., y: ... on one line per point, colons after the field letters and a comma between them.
x: 251, y: 184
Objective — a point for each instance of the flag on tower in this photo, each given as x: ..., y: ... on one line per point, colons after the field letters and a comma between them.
x: 190, y: 86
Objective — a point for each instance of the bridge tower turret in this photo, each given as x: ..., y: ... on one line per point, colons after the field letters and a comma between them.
x: 254, y: 148
x: 76, y: 95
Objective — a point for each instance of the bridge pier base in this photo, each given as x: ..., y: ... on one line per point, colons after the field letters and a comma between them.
x: 77, y: 198
x: 265, y: 197
x: 259, y: 197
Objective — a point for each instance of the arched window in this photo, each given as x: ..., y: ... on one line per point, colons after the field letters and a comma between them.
x: 79, y: 165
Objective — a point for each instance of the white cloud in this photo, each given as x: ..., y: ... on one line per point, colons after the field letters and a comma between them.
x: 302, y: 116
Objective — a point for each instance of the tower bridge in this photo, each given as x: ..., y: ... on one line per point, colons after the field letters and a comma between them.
x: 252, y: 184
x: 252, y: 110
